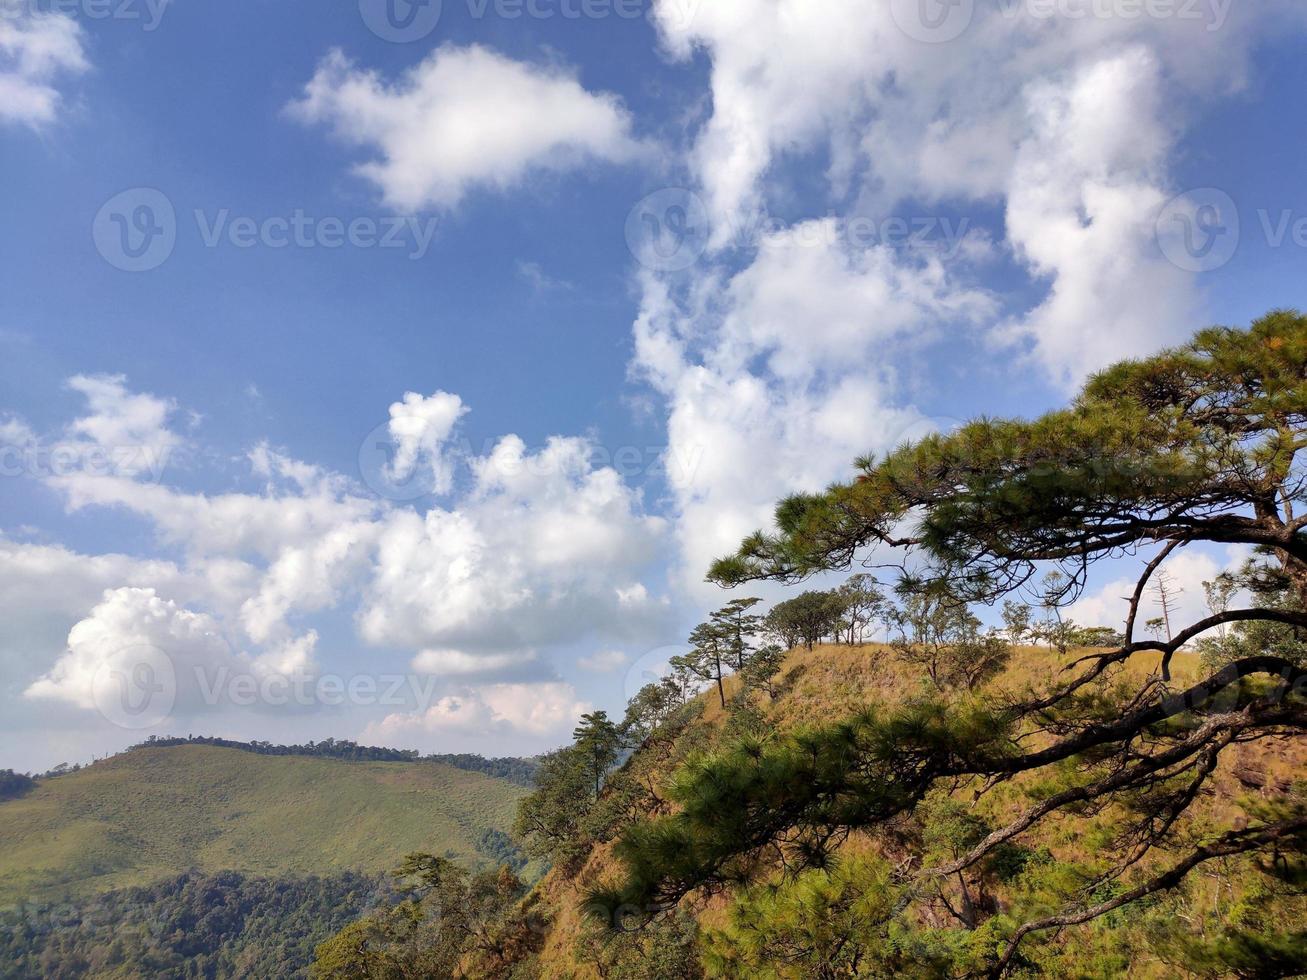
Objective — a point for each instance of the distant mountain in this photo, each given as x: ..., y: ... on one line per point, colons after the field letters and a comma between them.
x: 157, y: 811
x: 515, y: 770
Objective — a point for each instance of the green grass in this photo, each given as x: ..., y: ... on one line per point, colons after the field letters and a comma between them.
x: 138, y: 817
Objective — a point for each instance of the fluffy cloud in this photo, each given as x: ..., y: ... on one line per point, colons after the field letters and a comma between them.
x: 1187, y: 570
x: 142, y: 660
x: 763, y: 407
x: 1085, y: 189
x: 539, y: 548
x: 1069, y: 119
x: 464, y: 118
x: 129, y: 431
x: 420, y: 427
x: 48, y: 588
x: 36, y: 50
x: 545, y: 710
x: 456, y: 662
x: 529, y: 556
x: 773, y: 355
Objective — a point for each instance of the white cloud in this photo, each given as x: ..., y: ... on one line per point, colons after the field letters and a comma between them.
x: 528, y: 557
x: 48, y: 588
x: 1068, y: 119
x: 775, y: 378
x: 36, y: 50
x: 774, y: 356
x: 848, y: 300
x: 129, y: 429
x: 1186, y: 569
x: 549, y: 709
x: 1085, y: 189
x: 308, y: 578
x: 420, y: 428
x: 15, y: 433
x: 464, y: 118
x: 540, y: 548
x: 130, y: 627
x: 454, y: 662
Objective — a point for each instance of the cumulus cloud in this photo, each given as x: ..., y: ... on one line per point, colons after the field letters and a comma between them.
x: 529, y: 556
x: 131, y: 430
x: 142, y: 661
x: 541, y: 547
x: 773, y: 354
x: 1069, y: 120
x: 15, y: 433
x: 308, y: 578
x: 548, y: 709
x: 1085, y: 190
x: 467, y: 117
x: 420, y: 427
x: 37, y: 49
x: 770, y: 377
x: 456, y: 662
x: 48, y: 588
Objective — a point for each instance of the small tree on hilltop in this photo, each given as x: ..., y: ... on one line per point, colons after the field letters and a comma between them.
x: 805, y: 619
x: 738, y: 627
x: 599, y: 743
x: 709, y: 644
x: 1016, y: 620
x: 761, y: 671
x: 864, y: 604
x: 942, y: 636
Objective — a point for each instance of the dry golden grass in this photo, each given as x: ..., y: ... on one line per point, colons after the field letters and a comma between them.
x: 832, y: 681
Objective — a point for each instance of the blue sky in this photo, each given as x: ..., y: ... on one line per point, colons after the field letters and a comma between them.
x: 872, y: 220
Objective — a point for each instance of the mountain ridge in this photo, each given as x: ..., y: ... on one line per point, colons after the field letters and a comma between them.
x: 155, y: 811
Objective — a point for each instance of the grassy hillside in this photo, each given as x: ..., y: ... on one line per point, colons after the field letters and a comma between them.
x: 150, y: 813
x: 827, y: 683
